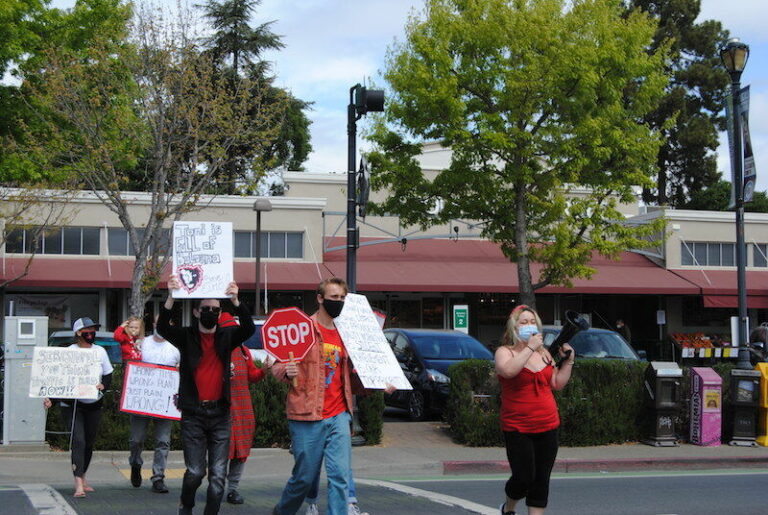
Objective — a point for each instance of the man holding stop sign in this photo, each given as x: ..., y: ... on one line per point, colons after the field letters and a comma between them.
x: 319, y: 403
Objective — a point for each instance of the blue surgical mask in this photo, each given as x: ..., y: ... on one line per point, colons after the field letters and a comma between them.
x: 526, y: 331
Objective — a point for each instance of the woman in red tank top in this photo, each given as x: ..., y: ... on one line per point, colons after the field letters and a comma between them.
x: 529, y: 416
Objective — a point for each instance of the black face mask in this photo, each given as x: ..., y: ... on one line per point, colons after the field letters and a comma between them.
x: 333, y: 307
x: 88, y: 337
x: 209, y: 319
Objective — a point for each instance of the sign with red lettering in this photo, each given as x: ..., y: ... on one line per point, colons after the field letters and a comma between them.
x: 288, y: 334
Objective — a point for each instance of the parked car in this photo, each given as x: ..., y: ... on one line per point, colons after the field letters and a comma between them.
x: 596, y: 343
x: 103, y: 338
x: 254, y: 343
x: 425, y: 355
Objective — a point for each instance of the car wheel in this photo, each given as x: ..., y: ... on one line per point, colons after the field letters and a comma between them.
x: 416, y: 406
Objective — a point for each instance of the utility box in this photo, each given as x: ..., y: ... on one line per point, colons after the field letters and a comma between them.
x: 662, y: 400
x: 744, y: 400
x: 706, y: 407
x: 23, y: 417
x: 762, y: 410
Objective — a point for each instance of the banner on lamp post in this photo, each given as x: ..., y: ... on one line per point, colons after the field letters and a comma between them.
x: 749, y: 172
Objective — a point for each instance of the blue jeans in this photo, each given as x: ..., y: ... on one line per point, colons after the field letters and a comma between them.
x: 314, y: 442
x: 314, y: 491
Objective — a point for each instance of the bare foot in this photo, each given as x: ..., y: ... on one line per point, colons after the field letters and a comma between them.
x: 87, y: 487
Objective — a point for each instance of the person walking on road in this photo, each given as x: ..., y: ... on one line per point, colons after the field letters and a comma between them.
x: 156, y: 350
x: 319, y: 408
x: 82, y: 416
x: 204, y: 391
x: 529, y: 417
x: 243, y: 422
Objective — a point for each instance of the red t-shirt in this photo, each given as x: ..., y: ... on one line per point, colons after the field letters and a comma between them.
x: 208, y: 373
x: 333, y: 352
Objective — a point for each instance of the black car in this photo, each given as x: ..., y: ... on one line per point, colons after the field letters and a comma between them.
x: 596, y: 343
x: 425, y: 355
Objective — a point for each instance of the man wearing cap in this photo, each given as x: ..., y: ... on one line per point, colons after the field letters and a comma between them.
x: 83, y: 415
x: 204, y: 391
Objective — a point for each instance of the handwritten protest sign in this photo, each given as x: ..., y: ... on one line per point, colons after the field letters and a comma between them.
x: 150, y: 390
x: 202, y: 258
x: 65, y: 373
x: 367, y: 346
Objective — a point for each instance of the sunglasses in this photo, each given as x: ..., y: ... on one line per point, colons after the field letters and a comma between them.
x: 209, y: 309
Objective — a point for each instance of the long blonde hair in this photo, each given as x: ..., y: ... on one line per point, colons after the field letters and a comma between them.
x: 510, y: 333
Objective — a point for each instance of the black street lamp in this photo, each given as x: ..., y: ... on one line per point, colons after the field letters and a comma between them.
x: 361, y: 101
x: 734, y: 55
x: 261, y: 205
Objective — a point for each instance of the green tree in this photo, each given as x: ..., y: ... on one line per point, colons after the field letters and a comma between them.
x: 691, y: 112
x: 238, y: 47
x: 717, y: 197
x: 531, y: 97
x: 155, y: 105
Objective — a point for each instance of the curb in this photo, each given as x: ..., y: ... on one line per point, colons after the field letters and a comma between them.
x: 568, y: 465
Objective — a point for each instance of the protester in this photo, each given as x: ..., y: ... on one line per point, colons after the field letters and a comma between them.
x: 157, y: 350
x: 319, y: 408
x: 204, y: 391
x: 82, y: 416
x: 623, y: 330
x: 130, y: 335
x: 243, y: 423
x: 529, y: 416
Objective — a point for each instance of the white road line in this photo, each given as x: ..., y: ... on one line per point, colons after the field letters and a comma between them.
x: 447, y: 500
x: 46, y: 500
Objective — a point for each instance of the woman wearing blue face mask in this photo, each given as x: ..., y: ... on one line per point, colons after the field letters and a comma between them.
x: 529, y: 416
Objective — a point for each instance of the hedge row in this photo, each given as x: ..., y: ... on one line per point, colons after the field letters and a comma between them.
x: 268, y: 397
x: 604, y: 403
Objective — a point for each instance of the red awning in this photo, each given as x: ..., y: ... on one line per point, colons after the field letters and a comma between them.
x: 98, y: 272
x: 723, y: 282
x: 441, y: 265
x: 732, y: 301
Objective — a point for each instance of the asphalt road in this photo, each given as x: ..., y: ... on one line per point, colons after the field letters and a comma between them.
x: 700, y: 493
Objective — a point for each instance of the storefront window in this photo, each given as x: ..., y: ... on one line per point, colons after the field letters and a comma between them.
x: 432, y: 313
x: 61, y: 309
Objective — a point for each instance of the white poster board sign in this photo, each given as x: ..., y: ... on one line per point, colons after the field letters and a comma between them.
x: 368, y: 348
x: 65, y: 373
x: 150, y: 390
x: 202, y: 259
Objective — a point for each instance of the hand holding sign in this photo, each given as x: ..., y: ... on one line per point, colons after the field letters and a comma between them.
x: 287, y: 335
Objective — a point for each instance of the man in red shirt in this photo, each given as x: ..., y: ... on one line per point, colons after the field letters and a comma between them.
x: 319, y: 408
x: 204, y: 391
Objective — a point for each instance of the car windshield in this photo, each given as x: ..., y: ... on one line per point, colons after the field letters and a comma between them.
x: 449, y: 346
x: 601, y: 345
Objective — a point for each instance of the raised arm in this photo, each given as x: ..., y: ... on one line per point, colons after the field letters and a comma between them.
x: 173, y: 334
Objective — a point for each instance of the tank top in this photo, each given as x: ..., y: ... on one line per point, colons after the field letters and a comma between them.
x: 527, y: 402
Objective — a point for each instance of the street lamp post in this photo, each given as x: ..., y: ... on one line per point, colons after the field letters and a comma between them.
x: 361, y: 101
x: 734, y: 55
x: 261, y: 205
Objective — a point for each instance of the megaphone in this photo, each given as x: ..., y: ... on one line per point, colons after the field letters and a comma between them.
x: 573, y: 324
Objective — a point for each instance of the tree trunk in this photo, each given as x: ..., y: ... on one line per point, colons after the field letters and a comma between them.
x: 521, y: 242
x: 138, y: 298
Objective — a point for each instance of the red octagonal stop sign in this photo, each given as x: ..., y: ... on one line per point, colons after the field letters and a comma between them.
x: 288, y: 334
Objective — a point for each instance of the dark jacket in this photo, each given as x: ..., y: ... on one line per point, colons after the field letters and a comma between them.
x: 187, y: 340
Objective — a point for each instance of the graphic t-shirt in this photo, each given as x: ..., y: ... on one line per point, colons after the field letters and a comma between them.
x: 333, y: 353
x: 208, y: 374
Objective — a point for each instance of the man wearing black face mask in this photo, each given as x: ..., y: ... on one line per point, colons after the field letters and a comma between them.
x: 206, y: 351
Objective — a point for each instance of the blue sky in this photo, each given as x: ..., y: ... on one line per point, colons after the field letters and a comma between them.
x: 333, y: 44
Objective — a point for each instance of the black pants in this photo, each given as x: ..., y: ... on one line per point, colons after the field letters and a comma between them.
x: 205, y: 433
x: 83, y: 420
x: 531, y: 457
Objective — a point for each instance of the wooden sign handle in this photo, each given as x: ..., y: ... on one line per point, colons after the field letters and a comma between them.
x: 293, y: 362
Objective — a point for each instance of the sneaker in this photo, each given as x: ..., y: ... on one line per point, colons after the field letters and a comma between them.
x: 353, y: 509
x: 312, y: 509
x: 234, y: 497
x: 159, y: 487
x: 136, y: 475
x: 501, y: 509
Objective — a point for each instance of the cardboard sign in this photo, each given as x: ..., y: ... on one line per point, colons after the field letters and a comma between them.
x: 288, y: 334
x: 202, y: 259
x: 65, y: 373
x: 368, y: 348
x: 150, y: 390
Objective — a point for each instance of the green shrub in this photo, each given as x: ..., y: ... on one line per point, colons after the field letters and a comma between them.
x: 472, y: 410
x: 268, y: 397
